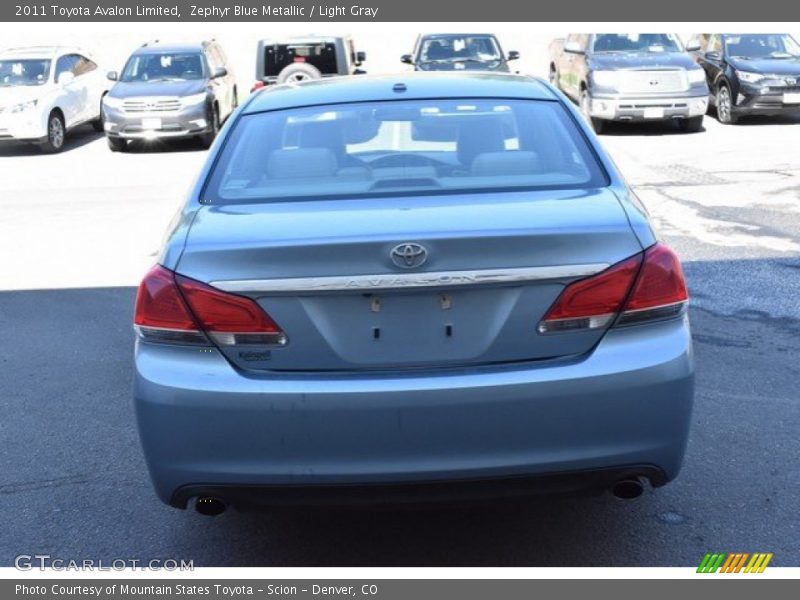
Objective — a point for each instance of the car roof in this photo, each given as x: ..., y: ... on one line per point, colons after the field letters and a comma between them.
x: 449, y: 35
x: 367, y: 88
x: 159, y: 47
x: 41, y: 51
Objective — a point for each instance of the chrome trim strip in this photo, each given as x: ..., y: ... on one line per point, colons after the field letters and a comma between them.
x: 392, y: 281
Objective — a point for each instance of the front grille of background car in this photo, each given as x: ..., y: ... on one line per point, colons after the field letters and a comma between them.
x: 152, y: 105
x: 654, y: 82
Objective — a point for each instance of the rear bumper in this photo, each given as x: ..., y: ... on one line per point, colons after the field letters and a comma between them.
x: 617, y: 108
x: 207, y: 428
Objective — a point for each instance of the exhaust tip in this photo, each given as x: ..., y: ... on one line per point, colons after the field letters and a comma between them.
x: 210, y: 507
x: 628, y: 489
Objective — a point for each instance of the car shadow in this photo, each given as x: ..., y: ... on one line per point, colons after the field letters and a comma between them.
x: 643, y: 128
x: 157, y: 146
x: 76, y: 138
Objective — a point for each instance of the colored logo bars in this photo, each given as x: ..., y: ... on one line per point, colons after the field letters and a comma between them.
x: 734, y: 562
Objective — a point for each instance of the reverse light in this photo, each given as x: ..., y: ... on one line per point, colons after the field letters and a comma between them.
x: 645, y: 287
x: 174, y: 309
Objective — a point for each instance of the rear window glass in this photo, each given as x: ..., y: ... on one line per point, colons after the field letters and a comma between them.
x: 401, y: 148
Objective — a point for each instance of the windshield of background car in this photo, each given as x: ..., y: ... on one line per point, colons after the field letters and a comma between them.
x: 321, y: 55
x: 636, y: 42
x: 765, y: 45
x: 402, y: 148
x: 167, y: 66
x: 477, y: 48
x: 28, y: 71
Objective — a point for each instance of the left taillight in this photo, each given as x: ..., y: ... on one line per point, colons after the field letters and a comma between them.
x: 171, y: 308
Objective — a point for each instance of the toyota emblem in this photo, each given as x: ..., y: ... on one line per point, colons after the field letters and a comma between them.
x: 409, y: 255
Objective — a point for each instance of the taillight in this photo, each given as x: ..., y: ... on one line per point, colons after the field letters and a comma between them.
x: 660, y: 290
x: 641, y: 288
x: 257, y: 86
x: 161, y: 312
x: 171, y: 308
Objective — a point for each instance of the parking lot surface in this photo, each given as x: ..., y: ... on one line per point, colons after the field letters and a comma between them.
x: 80, y: 228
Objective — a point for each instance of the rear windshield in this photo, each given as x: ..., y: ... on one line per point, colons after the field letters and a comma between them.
x: 401, y: 148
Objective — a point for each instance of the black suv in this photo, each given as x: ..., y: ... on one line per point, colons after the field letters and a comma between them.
x: 300, y: 59
x: 754, y: 73
x: 170, y: 91
x: 459, y: 52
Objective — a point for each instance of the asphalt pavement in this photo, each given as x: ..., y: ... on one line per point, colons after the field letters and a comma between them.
x: 79, y: 229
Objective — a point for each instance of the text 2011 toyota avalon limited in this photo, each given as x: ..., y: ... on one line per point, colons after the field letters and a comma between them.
x: 421, y: 288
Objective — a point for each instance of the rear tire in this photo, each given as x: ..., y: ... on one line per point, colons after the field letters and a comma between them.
x: 298, y: 72
x: 117, y: 144
x: 56, y: 134
x: 691, y: 125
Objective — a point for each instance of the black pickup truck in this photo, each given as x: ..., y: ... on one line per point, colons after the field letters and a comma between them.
x: 630, y: 77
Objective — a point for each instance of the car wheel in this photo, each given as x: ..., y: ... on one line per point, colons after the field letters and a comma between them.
x: 117, y: 144
x: 298, y: 72
x: 691, y: 125
x: 208, y: 138
x: 725, y: 106
x: 56, y: 133
x: 597, y: 124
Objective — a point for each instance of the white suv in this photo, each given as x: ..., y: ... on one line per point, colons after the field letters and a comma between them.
x: 45, y: 92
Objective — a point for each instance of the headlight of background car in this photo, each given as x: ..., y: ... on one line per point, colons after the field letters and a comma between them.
x: 697, y: 76
x: 606, y: 79
x: 749, y: 77
x: 194, y: 100
x: 23, y: 106
x: 112, y: 102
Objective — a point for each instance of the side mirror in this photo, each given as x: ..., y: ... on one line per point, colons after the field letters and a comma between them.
x: 407, y: 59
x: 361, y: 57
x: 712, y: 55
x: 112, y: 76
x: 573, y: 48
x: 66, y: 78
x: 693, y: 46
x: 513, y: 55
x: 219, y: 72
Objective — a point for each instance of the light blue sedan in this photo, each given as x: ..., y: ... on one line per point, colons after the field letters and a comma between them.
x: 425, y: 286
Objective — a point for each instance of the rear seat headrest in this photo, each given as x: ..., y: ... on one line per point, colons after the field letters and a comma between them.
x: 506, y: 163
x: 301, y: 163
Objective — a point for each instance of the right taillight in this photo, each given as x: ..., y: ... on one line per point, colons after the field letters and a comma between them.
x: 171, y: 308
x: 644, y: 287
x: 660, y: 289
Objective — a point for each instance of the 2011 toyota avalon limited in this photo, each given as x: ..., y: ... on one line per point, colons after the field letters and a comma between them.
x: 391, y: 289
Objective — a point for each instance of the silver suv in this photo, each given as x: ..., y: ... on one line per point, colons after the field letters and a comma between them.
x: 170, y: 91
